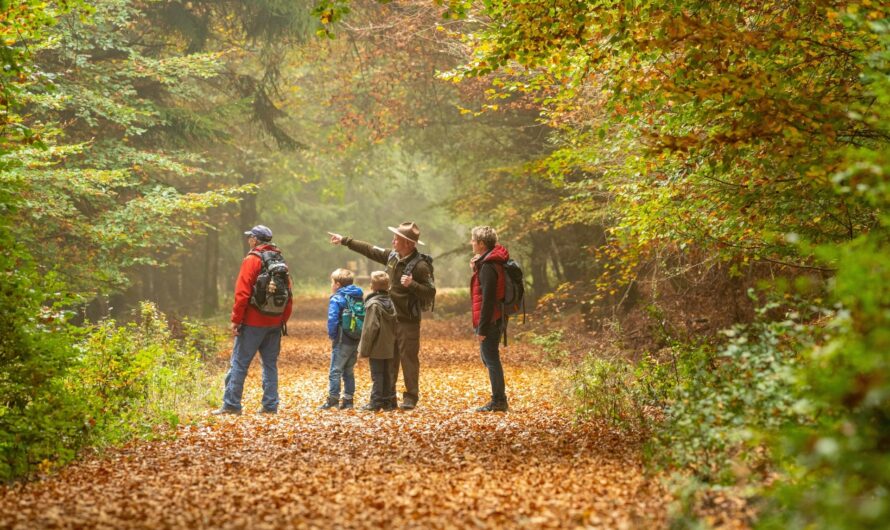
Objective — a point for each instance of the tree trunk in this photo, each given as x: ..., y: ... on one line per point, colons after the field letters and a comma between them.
x: 248, y: 209
x: 538, y: 259
x: 210, y: 297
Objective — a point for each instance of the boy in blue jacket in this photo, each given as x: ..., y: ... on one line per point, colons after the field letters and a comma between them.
x: 345, y: 309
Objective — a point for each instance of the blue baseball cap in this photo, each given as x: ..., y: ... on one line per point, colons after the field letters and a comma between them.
x: 260, y: 232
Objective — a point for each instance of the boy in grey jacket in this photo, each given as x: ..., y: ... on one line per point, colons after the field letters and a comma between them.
x: 378, y: 341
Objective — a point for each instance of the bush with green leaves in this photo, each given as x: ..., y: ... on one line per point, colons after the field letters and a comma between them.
x: 629, y: 395
x: 41, y: 417
x: 727, y: 400
x: 136, y: 377
x: 63, y: 388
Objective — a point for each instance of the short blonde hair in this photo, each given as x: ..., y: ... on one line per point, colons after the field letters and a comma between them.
x: 485, y: 235
x: 343, y: 276
x: 379, y: 281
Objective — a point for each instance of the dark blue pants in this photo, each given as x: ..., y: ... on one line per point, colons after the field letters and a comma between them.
x: 491, y: 357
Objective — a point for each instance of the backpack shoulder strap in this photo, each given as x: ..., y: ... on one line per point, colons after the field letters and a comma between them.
x: 409, y: 268
x: 261, y: 255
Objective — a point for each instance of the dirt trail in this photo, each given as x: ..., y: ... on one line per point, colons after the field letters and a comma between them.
x: 439, y: 466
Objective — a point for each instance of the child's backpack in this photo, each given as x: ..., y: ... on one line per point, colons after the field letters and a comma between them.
x: 417, y: 305
x: 271, y: 292
x: 352, y: 318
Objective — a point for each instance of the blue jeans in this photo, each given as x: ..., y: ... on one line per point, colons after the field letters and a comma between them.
x: 252, y: 338
x: 492, y: 359
x: 343, y: 356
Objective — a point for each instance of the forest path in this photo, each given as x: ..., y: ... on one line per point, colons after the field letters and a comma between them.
x: 439, y: 466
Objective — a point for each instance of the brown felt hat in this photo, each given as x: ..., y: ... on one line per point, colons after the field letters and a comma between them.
x: 408, y: 230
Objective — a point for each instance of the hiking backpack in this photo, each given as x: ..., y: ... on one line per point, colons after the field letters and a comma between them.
x: 271, y: 291
x: 352, y: 318
x: 417, y: 305
x: 514, y: 289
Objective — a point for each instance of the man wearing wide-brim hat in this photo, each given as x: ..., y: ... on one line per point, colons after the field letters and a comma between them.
x: 409, y: 292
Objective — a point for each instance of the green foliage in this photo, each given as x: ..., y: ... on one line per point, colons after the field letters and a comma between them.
x: 41, y: 419
x: 728, y: 400
x: 64, y: 388
x: 837, y: 469
x: 606, y: 389
x: 552, y: 345
x: 136, y: 377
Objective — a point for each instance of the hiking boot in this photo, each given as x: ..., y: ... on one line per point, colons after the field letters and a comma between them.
x: 267, y: 411
x: 347, y: 404
x: 331, y: 403
x: 407, y: 405
x: 226, y: 410
x: 373, y: 407
x: 493, y: 406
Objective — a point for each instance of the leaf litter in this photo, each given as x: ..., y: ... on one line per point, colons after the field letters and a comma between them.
x: 441, y: 465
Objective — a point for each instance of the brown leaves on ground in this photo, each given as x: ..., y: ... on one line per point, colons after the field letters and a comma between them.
x: 439, y: 466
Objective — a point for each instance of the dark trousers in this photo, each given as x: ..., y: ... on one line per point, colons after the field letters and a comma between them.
x: 491, y: 357
x: 381, y: 375
x: 406, y: 354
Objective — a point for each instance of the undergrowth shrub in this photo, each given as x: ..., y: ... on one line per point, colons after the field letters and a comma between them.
x: 727, y: 399
x: 41, y: 420
x: 711, y: 411
x: 136, y: 377
x: 551, y: 345
x: 63, y: 388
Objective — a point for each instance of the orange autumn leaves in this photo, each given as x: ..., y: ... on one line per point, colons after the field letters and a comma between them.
x: 440, y: 466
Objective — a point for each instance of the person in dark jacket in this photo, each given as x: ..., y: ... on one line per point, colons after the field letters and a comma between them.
x: 408, y: 292
x: 254, y: 330
x: 487, y: 291
x: 343, y: 344
x: 378, y: 341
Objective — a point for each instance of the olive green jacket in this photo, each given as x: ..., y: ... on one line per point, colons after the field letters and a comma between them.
x: 423, y: 288
x: 379, y: 328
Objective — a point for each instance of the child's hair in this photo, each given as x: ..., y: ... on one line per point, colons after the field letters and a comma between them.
x: 343, y: 277
x: 379, y: 281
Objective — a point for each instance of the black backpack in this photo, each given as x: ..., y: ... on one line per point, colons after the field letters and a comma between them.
x: 271, y: 292
x: 514, y: 289
x: 417, y: 305
x: 514, y: 294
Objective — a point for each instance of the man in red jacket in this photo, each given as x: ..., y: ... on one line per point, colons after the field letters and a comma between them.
x: 254, y: 330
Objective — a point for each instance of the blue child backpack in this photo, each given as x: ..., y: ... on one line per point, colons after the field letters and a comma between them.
x: 352, y: 318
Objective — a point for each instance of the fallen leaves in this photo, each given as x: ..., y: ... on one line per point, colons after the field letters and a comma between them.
x: 439, y: 466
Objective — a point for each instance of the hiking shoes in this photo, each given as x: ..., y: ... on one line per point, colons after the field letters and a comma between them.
x: 493, y: 406
x: 331, y: 403
x: 377, y: 406
x: 407, y: 405
x: 267, y: 411
x: 347, y: 404
x: 226, y: 410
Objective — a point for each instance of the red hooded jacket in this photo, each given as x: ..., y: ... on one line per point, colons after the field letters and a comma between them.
x: 487, y: 286
x: 242, y: 311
